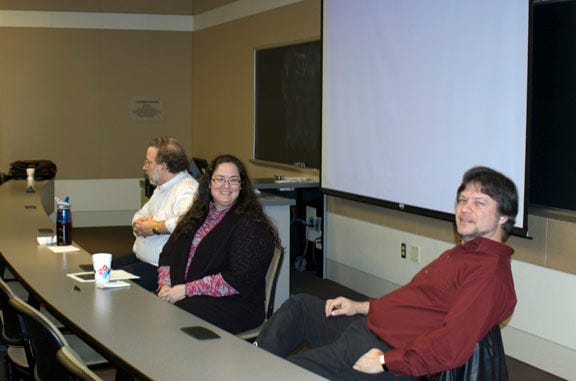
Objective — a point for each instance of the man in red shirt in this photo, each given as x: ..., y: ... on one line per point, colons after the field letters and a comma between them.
x: 427, y: 326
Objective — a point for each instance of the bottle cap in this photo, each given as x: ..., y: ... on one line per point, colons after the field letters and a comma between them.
x: 62, y: 204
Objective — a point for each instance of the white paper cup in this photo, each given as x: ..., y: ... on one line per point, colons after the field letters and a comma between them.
x: 102, y: 263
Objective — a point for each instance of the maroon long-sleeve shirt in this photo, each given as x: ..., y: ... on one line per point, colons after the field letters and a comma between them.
x: 434, y: 321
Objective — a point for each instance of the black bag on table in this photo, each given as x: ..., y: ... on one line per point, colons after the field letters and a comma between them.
x: 43, y: 169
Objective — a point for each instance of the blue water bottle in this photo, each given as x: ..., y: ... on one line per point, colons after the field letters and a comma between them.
x: 63, y: 223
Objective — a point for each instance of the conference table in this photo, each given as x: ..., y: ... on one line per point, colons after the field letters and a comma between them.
x: 129, y: 326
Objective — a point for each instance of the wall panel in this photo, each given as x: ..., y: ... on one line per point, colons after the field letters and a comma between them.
x: 65, y: 96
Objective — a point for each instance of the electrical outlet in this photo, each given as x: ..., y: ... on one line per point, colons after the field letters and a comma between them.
x: 415, y: 254
x: 403, y: 250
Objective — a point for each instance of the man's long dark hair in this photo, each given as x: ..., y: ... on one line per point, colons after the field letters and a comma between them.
x: 498, y: 187
x: 246, y: 204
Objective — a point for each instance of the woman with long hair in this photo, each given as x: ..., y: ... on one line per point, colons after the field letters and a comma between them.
x: 214, y: 264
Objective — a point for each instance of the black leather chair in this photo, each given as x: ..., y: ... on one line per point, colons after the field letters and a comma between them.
x: 197, y: 167
x: 44, y: 340
x: 18, y: 359
x: 487, y: 363
x: 201, y: 164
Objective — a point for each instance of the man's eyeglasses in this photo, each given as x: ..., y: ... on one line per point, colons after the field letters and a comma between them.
x: 221, y: 180
x: 147, y: 162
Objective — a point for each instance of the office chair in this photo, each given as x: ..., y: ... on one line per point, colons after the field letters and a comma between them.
x: 201, y: 164
x: 20, y: 291
x: 194, y: 170
x: 18, y: 360
x: 270, y: 291
x: 45, y: 340
x: 487, y: 363
x: 74, y: 366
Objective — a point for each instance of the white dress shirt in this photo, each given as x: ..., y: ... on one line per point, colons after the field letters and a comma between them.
x: 168, y: 203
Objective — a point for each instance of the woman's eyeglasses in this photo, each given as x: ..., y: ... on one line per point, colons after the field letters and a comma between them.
x: 221, y: 180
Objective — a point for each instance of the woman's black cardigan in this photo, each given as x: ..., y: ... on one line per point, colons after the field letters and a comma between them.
x: 238, y: 248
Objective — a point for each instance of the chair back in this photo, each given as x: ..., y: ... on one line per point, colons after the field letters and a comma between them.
x: 194, y: 170
x: 45, y: 340
x: 271, y: 281
x: 11, y: 329
x: 201, y: 164
x: 269, y: 293
x: 72, y: 363
x: 18, y: 359
x: 487, y: 363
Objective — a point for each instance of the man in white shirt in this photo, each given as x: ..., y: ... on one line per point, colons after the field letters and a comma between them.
x: 166, y: 167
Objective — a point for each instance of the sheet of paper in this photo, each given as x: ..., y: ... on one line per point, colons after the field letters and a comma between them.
x: 116, y: 284
x: 63, y: 249
x: 115, y: 275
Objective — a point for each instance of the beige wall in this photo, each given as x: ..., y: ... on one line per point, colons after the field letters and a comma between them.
x: 65, y: 93
x: 552, y: 242
x: 223, y: 77
x: 65, y: 96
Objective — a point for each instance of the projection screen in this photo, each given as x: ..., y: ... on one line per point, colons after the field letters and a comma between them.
x: 416, y: 92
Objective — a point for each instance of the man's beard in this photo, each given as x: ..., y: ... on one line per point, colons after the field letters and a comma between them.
x: 154, y: 178
x: 479, y: 233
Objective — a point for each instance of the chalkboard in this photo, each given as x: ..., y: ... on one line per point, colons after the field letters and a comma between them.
x: 288, y: 104
x: 553, y: 130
